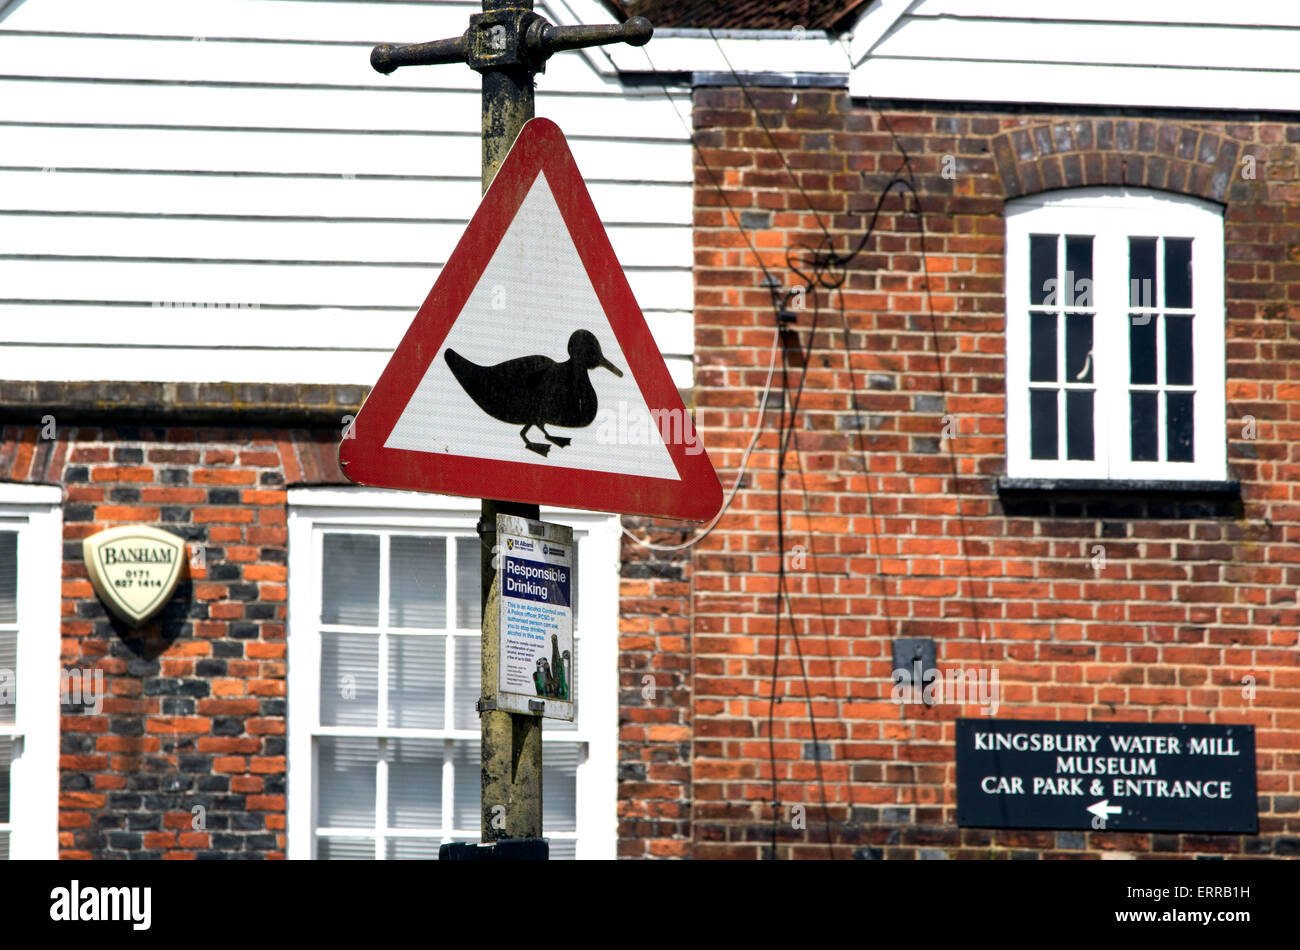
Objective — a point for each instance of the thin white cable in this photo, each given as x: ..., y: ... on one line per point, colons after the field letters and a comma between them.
x: 744, y: 463
x: 767, y: 386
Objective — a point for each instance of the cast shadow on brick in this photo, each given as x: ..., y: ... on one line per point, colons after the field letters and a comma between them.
x: 1120, y: 505
x: 154, y: 637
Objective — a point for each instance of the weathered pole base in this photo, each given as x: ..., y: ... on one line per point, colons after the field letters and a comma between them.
x: 511, y: 744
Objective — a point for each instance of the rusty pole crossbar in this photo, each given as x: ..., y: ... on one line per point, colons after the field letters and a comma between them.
x: 540, y: 40
x: 387, y: 58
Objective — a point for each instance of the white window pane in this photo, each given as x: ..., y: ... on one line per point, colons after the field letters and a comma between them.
x: 418, y: 570
x: 417, y: 681
x: 350, y: 585
x: 560, y: 785
x: 345, y: 849
x: 563, y: 849
x: 466, y: 761
x: 347, y: 782
x: 413, y: 849
x: 415, y: 783
x: 468, y: 585
x: 9, y: 673
x: 8, y: 576
x: 468, y: 678
x: 349, y: 679
x: 6, y: 760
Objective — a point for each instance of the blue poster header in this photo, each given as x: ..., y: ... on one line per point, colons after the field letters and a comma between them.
x: 533, y: 580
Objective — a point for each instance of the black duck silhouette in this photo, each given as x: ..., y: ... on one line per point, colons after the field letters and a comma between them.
x: 536, y: 391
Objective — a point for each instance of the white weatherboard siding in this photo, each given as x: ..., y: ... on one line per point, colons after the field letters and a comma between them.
x: 224, y: 190
x: 1202, y: 54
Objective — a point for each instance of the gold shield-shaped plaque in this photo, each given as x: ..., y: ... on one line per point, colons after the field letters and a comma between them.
x: 134, y: 569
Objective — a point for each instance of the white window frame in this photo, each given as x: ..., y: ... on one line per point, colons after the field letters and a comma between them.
x: 598, y: 543
x: 35, y: 512
x: 1112, y: 215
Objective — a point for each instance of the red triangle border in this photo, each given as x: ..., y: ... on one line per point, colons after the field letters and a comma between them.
x: 540, y: 149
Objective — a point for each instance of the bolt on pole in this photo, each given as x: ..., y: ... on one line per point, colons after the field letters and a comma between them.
x: 508, y: 44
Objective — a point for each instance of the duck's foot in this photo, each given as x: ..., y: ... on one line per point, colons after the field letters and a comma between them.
x: 538, y: 447
x: 559, y: 440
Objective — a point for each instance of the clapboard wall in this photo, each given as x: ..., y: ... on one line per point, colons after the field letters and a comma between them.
x: 224, y: 190
x: 1200, y: 54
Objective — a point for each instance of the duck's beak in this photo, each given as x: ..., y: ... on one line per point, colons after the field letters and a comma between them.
x: 610, y: 366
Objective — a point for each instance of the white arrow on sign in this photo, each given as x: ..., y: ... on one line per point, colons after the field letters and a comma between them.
x: 1104, y: 809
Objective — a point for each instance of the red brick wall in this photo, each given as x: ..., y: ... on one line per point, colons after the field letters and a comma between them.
x: 654, y: 756
x: 195, y: 709
x: 1193, y: 597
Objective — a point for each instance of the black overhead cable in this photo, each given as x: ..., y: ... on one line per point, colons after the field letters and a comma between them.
x: 783, y: 447
x: 787, y: 425
x: 938, y: 354
x: 828, y: 270
x: 759, y: 115
x: 787, y: 429
x: 772, y: 283
x: 717, y: 186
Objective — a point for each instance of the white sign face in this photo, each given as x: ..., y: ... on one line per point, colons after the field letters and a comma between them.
x: 537, y: 590
x: 134, y: 569
x: 526, y: 316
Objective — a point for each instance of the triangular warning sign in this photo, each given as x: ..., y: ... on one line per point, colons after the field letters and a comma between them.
x: 529, y: 373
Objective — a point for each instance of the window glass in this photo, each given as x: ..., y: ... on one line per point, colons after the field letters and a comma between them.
x: 347, y: 782
x: 1143, y: 421
x: 467, y: 680
x: 1078, y: 270
x: 415, y: 783
x: 1078, y: 348
x: 1142, y: 348
x: 413, y: 849
x: 1043, y: 432
x: 9, y: 663
x: 417, y: 681
x: 350, y: 586
x: 1078, y: 424
x: 349, y: 684
x: 1178, y: 416
x: 1178, y: 350
x: 1142, y: 272
x: 397, y: 665
x: 419, y: 582
x: 1042, y: 347
x: 6, y: 760
x: 1159, y: 340
x: 345, y: 849
x: 468, y: 594
x: 559, y: 782
x: 1060, y: 347
x: 1178, y: 272
x: 8, y: 576
x: 1042, y: 268
x: 466, y: 761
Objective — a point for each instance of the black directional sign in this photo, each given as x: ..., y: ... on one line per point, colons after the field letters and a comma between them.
x: 1112, y: 776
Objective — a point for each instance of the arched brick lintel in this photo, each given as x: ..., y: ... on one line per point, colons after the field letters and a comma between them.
x: 1085, y: 152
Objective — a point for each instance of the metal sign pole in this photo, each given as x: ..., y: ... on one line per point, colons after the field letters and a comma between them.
x: 507, y: 44
x: 510, y: 744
